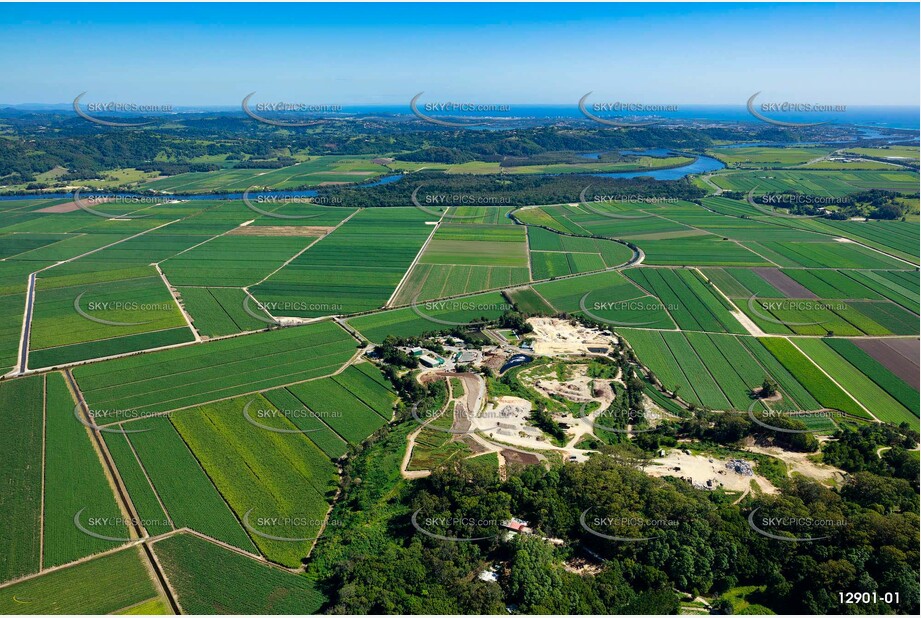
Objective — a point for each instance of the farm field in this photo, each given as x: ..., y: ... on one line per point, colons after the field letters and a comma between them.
x: 21, y: 442
x: 235, y: 260
x: 182, y: 486
x: 817, y: 182
x: 486, y: 167
x: 356, y: 268
x: 75, y: 482
x: 553, y: 255
x: 222, y: 311
x: 102, y: 585
x: 873, y: 397
x: 689, y: 299
x: 342, y: 410
x: 430, y: 316
x: 89, y: 321
x: 529, y: 301
x: 281, y: 479
x: 761, y: 157
x: 197, y: 570
x: 147, y: 503
x: 713, y: 370
x: 819, y: 385
x: 284, y: 403
x: 188, y: 376
x: 466, y: 258
x: 311, y: 173
x: 610, y: 297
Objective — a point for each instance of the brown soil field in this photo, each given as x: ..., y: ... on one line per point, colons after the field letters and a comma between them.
x: 900, y: 356
x: 281, y: 230
x: 784, y: 283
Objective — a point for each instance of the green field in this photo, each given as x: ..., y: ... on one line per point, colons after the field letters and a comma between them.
x: 75, y: 323
x: 869, y: 366
x: 309, y: 173
x: 193, y: 375
x: 609, y: 297
x: 691, y: 302
x: 873, y: 397
x: 100, y: 586
x: 430, y: 316
x: 819, y: 385
x: 342, y: 410
x: 234, y: 260
x: 187, y: 494
x: 356, y: 268
x: 816, y: 182
x: 75, y: 482
x: 281, y: 479
x: 21, y: 442
x: 197, y: 570
x: 222, y: 311
x: 767, y: 157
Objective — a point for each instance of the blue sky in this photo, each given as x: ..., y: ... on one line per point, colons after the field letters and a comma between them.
x: 214, y: 54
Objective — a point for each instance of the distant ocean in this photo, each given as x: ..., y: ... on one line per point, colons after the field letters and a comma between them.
x: 891, y: 117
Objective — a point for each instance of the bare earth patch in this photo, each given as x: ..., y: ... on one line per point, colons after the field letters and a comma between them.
x: 785, y: 284
x: 68, y: 206
x: 701, y: 470
x: 281, y: 230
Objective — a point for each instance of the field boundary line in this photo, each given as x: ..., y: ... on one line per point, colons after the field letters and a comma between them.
x: 66, y: 345
x: 527, y: 248
x: 149, y: 482
x: 302, y: 251
x: 829, y: 234
x: 834, y: 381
x: 746, y: 322
x: 67, y: 565
x: 153, y: 563
x: 256, y: 392
x: 41, y: 519
x: 119, y: 490
x: 416, y: 259
x: 98, y: 249
x: 321, y: 421
x: 227, y: 546
x: 23, y: 357
x: 175, y: 295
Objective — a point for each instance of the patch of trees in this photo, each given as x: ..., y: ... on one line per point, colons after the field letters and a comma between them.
x: 878, y: 448
x: 702, y: 545
x: 512, y: 189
